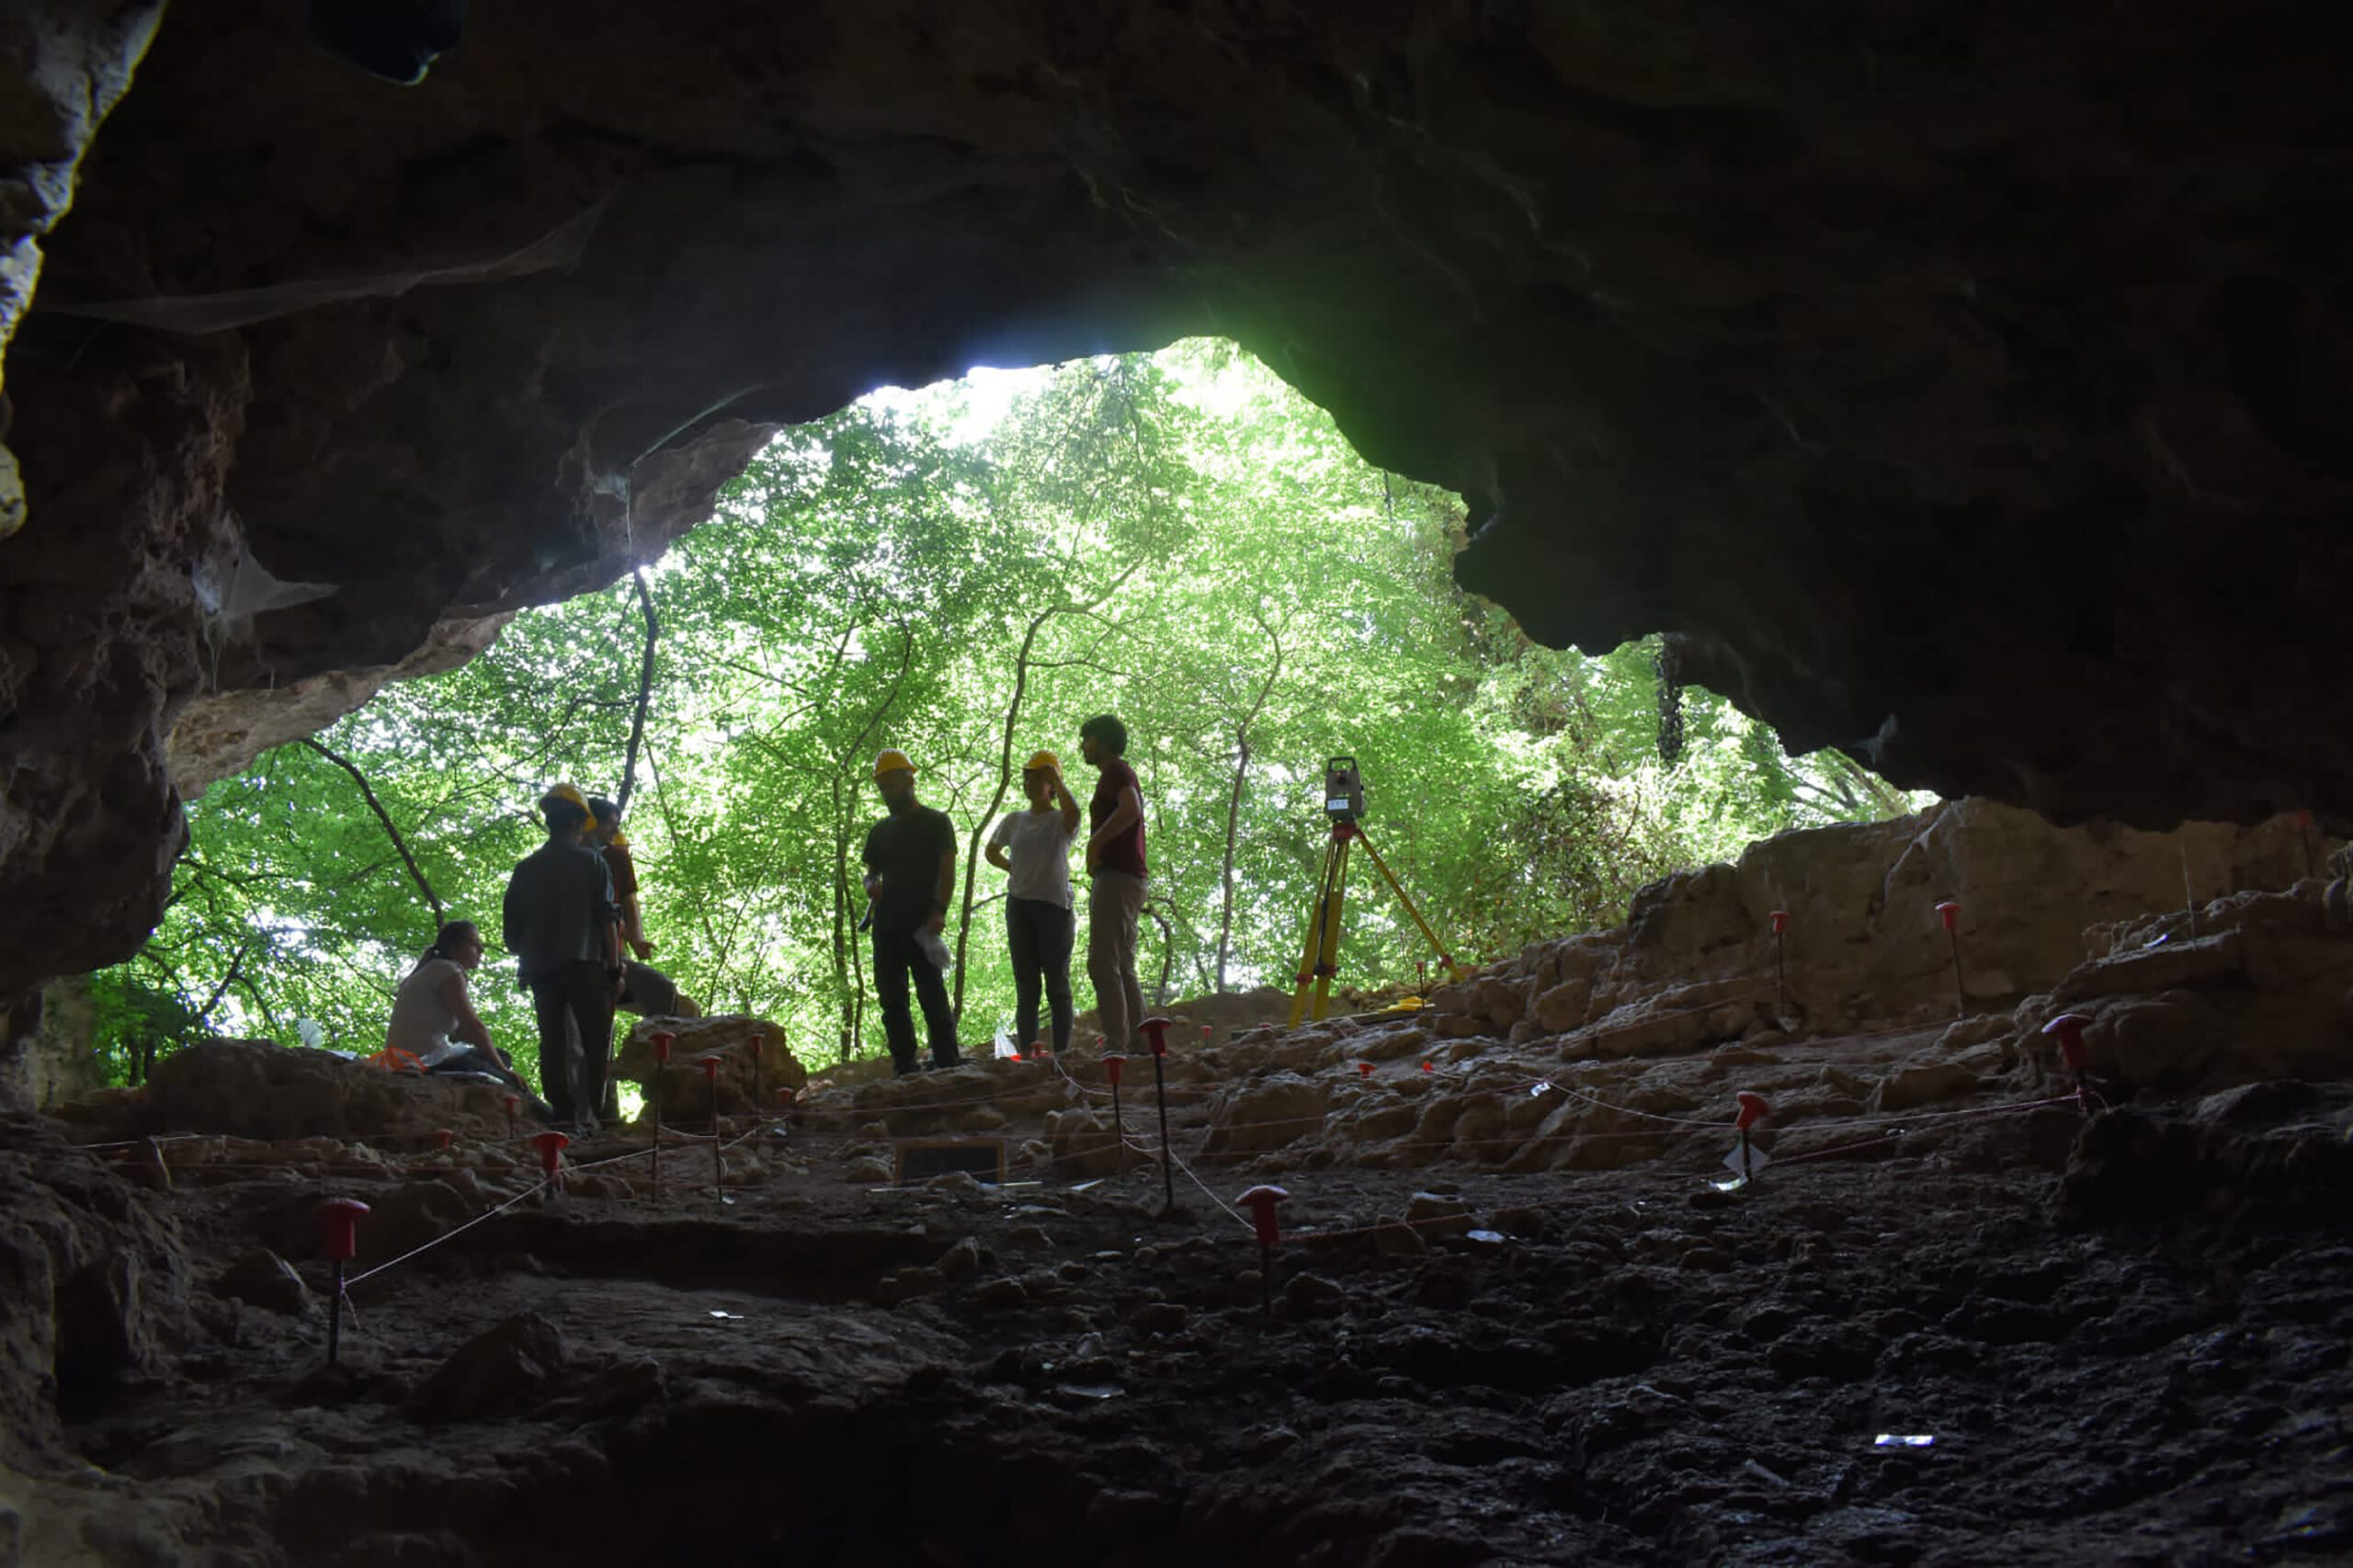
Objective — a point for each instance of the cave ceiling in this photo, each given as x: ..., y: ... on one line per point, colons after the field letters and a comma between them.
x: 1961, y: 385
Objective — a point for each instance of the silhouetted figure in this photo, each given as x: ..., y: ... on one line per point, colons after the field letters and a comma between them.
x: 561, y: 924
x: 1033, y: 846
x: 1115, y: 859
x: 910, y: 872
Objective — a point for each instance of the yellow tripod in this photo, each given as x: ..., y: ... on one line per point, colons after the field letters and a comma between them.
x: 1321, y: 961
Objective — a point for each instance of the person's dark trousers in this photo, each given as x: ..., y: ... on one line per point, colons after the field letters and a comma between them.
x: 896, y: 958
x: 572, y: 1062
x: 1040, y: 934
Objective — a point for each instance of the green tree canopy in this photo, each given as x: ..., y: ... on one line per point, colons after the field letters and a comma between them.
x: 966, y: 572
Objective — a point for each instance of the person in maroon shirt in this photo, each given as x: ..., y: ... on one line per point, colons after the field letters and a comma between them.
x: 1115, y: 859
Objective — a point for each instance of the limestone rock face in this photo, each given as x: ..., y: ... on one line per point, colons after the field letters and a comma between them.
x: 685, y: 1090
x: 252, y: 1088
x: 1694, y: 963
x: 1906, y: 370
x: 95, y: 1287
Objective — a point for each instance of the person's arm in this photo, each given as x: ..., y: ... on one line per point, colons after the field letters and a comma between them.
x: 938, y: 921
x: 625, y: 885
x: 995, y: 852
x: 1069, y: 805
x: 1125, y: 815
x: 873, y: 876
x: 510, y: 924
x: 609, y: 918
x: 469, y: 1026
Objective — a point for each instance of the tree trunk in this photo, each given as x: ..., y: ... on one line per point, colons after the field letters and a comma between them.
x: 1004, y: 780
x: 1234, y: 801
x: 644, y: 692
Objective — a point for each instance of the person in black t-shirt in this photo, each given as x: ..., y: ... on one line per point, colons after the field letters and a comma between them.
x: 560, y: 924
x: 910, y: 874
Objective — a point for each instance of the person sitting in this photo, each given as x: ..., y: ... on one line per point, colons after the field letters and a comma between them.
x: 434, y: 1024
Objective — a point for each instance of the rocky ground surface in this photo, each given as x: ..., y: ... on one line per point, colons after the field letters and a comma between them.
x: 2126, y: 1337
x: 1973, y: 1310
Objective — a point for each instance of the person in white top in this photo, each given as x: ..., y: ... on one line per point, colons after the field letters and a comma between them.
x: 1034, y: 847
x: 434, y: 1027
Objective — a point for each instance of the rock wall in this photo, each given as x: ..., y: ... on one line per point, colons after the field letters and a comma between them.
x: 1864, y: 943
x: 1965, y: 388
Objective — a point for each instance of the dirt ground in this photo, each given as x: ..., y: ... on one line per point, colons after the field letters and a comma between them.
x: 2017, y: 1337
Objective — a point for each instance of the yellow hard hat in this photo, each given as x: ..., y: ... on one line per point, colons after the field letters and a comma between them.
x: 1044, y: 762
x: 891, y: 760
x: 571, y: 794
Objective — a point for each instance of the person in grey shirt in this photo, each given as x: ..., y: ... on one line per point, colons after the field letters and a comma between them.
x: 561, y: 924
x: 1033, y: 846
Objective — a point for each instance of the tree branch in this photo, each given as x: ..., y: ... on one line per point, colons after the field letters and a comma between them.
x: 644, y: 690
x: 377, y: 806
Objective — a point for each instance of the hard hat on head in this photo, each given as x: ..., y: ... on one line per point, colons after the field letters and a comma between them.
x: 568, y: 793
x: 1044, y: 762
x: 891, y: 761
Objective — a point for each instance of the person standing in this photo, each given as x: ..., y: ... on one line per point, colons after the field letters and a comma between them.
x: 910, y: 874
x: 1033, y: 847
x: 648, y: 992
x: 1115, y: 859
x: 561, y: 924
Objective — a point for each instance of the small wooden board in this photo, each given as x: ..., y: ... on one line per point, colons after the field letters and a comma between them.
x: 921, y: 1159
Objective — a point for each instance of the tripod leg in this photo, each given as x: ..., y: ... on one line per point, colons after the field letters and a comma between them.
x: 1329, y: 963
x: 1454, y: 969
x: 1315, y: 917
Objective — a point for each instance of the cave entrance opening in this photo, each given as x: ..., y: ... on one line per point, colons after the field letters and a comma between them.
x: 965, y: 572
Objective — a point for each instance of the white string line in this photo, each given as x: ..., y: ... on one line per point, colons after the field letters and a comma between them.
x: 445, y: 1235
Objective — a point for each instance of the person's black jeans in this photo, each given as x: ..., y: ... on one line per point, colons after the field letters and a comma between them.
x: 895, y: 957
x: 1040, y: 934
x: 474, y: 1062
x: 572, y: 1065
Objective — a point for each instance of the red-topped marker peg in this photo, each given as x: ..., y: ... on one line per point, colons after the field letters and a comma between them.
x: 512, y: 1102
x: 711, y: 1079
x: 1745, y: 1159
x: 1262, y: 1202
x: 1364, y: 1069
x: 710, y: 1065
x: 552, y: 1147
x: 1949, y: 913
x: 2068, y: 1030
x: 1111, y: 1065
x: 339, y: 1239
x: 1156, y: 1031
x: 339, y: 1228
x: 1429, y: 1066
x: 758, y: 1041
x: 1780, y: 964
x: 443, y: 1137
x: 661, y: 1039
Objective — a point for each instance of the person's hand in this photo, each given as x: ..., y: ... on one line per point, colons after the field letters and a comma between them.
x: 1094, y: 856
x: 643, y: 949
x: 935, y: 925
